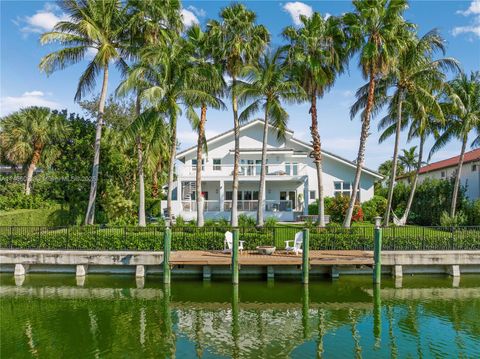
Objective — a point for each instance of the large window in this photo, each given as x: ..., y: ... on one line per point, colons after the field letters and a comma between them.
x: 217, y: 164
x: 313, y: 194
x: 228, y: 195
x: 291, y: 168
x: 342, y: 188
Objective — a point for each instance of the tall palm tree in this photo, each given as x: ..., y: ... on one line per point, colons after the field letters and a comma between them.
x: 317, y: 53
x: 462, y: 114
x: 236, y: 41
x: 379, y: 31
x: 28, y: 136
x: 414, y: 76
x: 206, y: 76
x: 266, y: 87
x: 96, y: 25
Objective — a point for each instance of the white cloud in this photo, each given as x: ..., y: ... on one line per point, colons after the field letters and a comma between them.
x: 197, y: 11
x: 188, y: 18
x: 44, y: 20
x: 474, y: 26
x: 10, y: 104
x: 297, y: 8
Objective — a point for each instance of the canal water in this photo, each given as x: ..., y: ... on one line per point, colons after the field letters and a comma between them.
x: 54, y: 316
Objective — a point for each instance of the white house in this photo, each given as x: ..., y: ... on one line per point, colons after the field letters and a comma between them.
x: 447, y: 169
x: 291, y: 176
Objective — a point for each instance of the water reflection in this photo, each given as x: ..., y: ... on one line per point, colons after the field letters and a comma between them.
x: 108, y: 316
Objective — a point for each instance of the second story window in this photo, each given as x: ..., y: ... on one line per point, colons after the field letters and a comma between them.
x: 194, y: 164
x: 291, y: 168
x: 474, y: 168
x: 443, y: 174
x: 342, y: 188
x: 217, y: 164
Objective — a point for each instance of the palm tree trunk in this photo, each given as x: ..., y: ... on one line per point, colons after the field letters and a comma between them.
x: 404, y: 218
x: 236, y: 158
x: 261, y: 189
x: 141, y: 181
x: 90, y: 215
x: 317, y: 158
x: 171, y: 167
x: 198, y: 177
x: 361, y: 149
x: 458, y: 177
x: 31, y: 168
x: 156, y: 171
x: 395, y: 160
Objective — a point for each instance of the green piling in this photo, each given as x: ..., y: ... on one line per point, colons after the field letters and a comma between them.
x: 235, y: 256
x: 167, y: 238
x: 377, y: 315
x: 377, y: 252
x: 305, y: 253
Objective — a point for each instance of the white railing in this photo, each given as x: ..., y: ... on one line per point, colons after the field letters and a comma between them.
x: 208, y: 206
x: 282, y: 169
x: 278, y: 206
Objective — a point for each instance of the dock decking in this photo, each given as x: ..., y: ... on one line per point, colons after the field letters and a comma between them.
x: 279, y: 258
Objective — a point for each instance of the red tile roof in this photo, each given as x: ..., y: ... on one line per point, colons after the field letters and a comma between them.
x: 450, y: 162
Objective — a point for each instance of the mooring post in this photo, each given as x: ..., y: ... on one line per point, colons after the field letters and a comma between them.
x: 377, y: 314
x: 305, y: 253
x: 235, y: 257
x: 377, y: 251
x: 167, y: 237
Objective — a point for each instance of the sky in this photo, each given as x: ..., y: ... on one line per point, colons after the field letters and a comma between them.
x: 22, y: 84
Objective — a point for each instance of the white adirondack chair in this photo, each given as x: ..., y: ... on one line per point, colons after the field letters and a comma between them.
x: 228, y: 243
x: 297, y: 244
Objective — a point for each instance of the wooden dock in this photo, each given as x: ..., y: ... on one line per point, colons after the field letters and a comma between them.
x: 279, y: 258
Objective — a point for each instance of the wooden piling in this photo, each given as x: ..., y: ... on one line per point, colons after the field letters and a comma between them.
x: 305, y: 254
x: 377, y: 252
x: 235, y: 256
x: 167, y: 237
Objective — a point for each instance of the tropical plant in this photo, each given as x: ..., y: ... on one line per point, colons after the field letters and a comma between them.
x: 236, y: 41
x: 98, y: 26
x: 416, y: 77
x: 409, y: 158
x: 265, y: 88
x: 378, y: 29
x: 317, y: 54
x: 206, y: 76
x: 462, y: 113
x: 30, y: 136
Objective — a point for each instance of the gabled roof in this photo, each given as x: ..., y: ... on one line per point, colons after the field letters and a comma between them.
x: 300, y: 142
x: 453, y: 161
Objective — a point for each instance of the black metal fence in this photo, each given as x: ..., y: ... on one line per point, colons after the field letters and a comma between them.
x: 213, y: 238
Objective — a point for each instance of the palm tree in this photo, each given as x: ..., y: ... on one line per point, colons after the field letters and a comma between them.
x: 462, y: 114
x: 378, y: 29
x: 96, y: 25
x: 409, y: 158
x: 236, y: 41
x: 317, y: 54
x: 415, y: 75
x: 206, y: 76
x: 28, y: 136
x: 266, y: 86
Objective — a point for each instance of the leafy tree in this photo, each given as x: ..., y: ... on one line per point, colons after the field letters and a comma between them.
x: 318, y: 53
x: 96, y: 25
x: 266, y: 86
x: 379, y: 31
x: 462, y: 113
x: 236, y: 41
x: 409, y: 158
x: 29, y: 136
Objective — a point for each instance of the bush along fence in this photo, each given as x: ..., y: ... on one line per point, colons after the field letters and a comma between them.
x: 212, y: 238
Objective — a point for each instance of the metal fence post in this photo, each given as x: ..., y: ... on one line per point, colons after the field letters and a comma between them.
x: 235, y: 257
x: 166, y: 255
x: 377, y: 251
x: 305, y: 254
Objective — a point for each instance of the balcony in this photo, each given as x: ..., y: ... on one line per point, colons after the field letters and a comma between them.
x: 244, y: 170
x: 242, y: 206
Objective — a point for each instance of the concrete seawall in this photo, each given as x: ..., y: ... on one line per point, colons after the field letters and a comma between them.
x: 20, y: 262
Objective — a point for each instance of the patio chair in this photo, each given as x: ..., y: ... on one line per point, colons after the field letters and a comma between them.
x: 228, y: 243
x: 297, y: 244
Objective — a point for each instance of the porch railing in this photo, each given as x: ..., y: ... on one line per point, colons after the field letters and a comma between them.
x: 208, y: 206
x: 244, y: 169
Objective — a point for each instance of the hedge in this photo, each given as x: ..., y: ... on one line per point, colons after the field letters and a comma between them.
x: 52, y: 216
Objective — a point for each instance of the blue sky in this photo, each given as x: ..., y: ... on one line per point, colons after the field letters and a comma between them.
x: 21, y: 83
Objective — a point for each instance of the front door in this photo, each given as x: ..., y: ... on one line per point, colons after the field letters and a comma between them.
x: 291, y: 197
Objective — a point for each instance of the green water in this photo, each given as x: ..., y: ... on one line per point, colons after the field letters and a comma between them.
x: 53, y: 316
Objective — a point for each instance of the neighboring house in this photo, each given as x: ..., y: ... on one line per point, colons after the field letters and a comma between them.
x: 447, y: 169
x: 291, y: 180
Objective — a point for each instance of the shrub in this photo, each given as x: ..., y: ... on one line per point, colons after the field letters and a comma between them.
x: 271, y: 222
x: 457, y: 220
x: 473, y: 213
x: 327, y: 203
x: 374, y: 207
x: 246, y: 221
x: 53, y: 216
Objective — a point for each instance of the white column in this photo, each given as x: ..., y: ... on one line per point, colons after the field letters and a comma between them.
x: 221, y: 192
x: 305, y: 196
x: 140, y: 271
x: 21, y: 269
x: 81, y: 270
